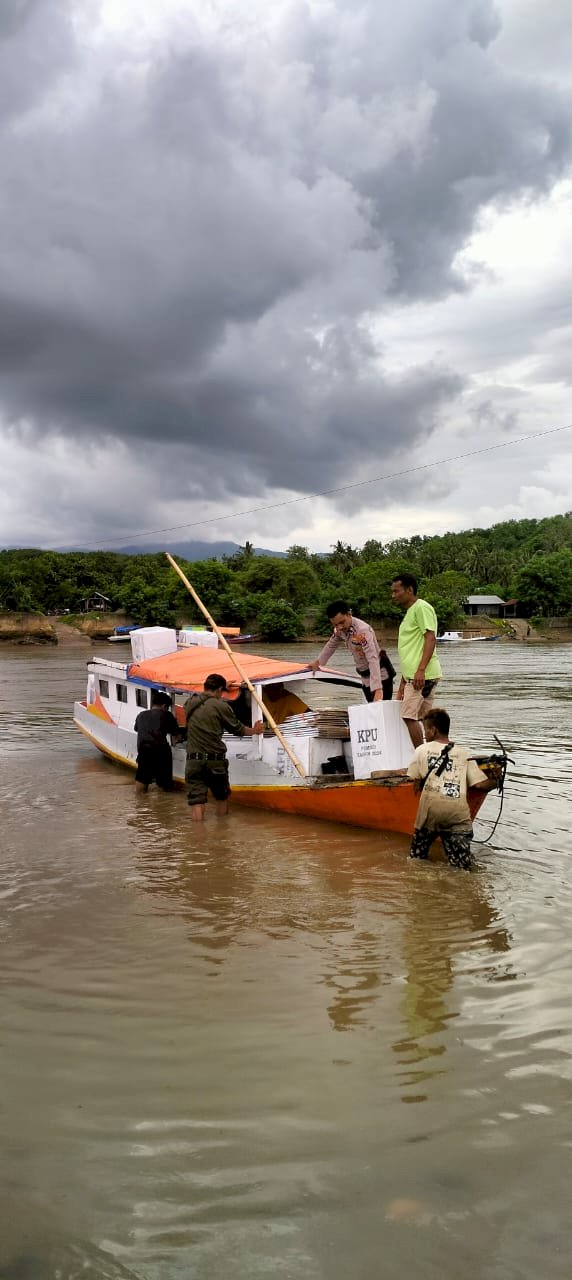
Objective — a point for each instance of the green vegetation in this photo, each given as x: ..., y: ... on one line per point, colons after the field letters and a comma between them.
x: 530, y: 560
x: 277, y: 620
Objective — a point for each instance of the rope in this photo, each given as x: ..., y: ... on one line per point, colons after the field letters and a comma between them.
x: 324, y: 493
x: 503, y: 760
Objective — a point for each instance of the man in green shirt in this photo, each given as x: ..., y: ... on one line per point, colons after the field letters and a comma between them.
x: 208, y: 718
x: 420, y: 666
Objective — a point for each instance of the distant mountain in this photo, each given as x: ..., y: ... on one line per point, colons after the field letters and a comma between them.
x: 187, y: 550
x: 192, y: 550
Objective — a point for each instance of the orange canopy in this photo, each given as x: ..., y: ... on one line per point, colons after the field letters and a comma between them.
x: 189, y: 668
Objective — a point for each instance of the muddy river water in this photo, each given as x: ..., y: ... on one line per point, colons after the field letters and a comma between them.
x: 273, y: 1047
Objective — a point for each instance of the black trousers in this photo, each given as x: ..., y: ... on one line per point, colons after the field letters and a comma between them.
x: 457, y: 846
x: 155, y: 764
x: 386, y: 689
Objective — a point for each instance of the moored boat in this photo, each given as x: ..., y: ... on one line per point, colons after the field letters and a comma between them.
x: 455, y: 637
x: 122, y: 635
x: 261, y: 773
x: 233, y: 635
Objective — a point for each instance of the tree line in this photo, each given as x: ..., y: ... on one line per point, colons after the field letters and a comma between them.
x: 281, y: 597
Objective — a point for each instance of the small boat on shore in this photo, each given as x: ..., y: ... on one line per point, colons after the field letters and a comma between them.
x: 261, y: 773
x: 456, y: 637
x: 196, y: 635
x: 122, y: 635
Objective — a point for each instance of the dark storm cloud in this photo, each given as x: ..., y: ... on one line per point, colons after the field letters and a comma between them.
x: 191, y: 245
x: 490, y: 416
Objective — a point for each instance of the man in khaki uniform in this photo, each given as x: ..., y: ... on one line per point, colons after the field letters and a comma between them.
x: 360, y: 640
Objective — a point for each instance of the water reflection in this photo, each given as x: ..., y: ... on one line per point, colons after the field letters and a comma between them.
x: 439, y: 927
x: 421, y: 926
x: 32, y: 1247
x: 226, y: 883
x: 357, y: 982
x: 64, y: 1262
x: 202, y: 876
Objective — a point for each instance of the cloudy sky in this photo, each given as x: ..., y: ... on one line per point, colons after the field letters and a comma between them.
x: 250, y: 252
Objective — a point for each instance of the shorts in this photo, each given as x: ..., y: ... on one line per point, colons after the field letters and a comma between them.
x: 155, y: 764
x: 206, y: 775
x: 457, y: 845
x: 415, y: 703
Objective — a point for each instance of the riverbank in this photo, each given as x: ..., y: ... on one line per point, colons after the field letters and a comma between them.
x: 77, y: 629
x: 65, y: 630
x: 26, y: 628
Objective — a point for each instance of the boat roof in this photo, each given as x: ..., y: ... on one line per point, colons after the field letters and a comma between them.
x: 188, y: 669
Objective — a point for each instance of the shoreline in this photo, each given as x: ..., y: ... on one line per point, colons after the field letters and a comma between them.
x: 38, y: 629
x: 25, y: 629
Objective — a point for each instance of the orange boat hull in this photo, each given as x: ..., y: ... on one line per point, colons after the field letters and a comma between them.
x: 358, y: 804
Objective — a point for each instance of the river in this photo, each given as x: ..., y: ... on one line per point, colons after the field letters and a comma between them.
x: 273, y: 1047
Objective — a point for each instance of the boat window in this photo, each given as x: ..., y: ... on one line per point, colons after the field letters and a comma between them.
x: 141, y: 697
x: 104, y: 688
x: 121, y: 690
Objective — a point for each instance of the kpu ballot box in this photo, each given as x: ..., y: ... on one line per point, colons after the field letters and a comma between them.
x: 379, y: 739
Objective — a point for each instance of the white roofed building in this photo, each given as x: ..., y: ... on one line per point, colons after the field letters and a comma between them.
x: 493, y: 606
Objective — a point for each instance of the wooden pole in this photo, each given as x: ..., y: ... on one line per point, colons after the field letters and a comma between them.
x: 234, y: 659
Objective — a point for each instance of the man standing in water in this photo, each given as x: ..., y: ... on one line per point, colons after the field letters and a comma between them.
x: 154, y: 755
x: 420, y: 666
x: 208, y: 718
x: 442, y: 773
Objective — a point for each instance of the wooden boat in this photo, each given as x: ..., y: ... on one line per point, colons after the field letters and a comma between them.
x: 261, y: 774
x: 122, y: 635
x: 232, y: 635
x: 455, y: 637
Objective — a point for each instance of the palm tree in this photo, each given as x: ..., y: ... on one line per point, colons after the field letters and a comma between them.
x: 343, y: 556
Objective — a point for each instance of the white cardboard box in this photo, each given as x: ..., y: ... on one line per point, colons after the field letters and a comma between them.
x: 379, y: 738
x: 206, y: 638
x: 153, y: 642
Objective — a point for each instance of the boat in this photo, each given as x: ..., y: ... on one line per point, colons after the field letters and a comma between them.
x: 233, y: 635
x: 261, y: 773
x: 197, y: 635
x: 455, y: 637
x: 122, y: 635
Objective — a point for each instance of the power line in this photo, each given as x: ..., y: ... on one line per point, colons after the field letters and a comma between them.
x: 328, y: 493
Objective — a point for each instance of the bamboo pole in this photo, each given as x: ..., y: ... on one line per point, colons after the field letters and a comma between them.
x: 266, y: 713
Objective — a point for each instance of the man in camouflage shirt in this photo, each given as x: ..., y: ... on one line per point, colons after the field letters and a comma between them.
x: 208, y: 717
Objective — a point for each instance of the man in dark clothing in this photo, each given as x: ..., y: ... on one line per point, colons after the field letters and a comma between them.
x: 208, y: 718
x: 154, y: 755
